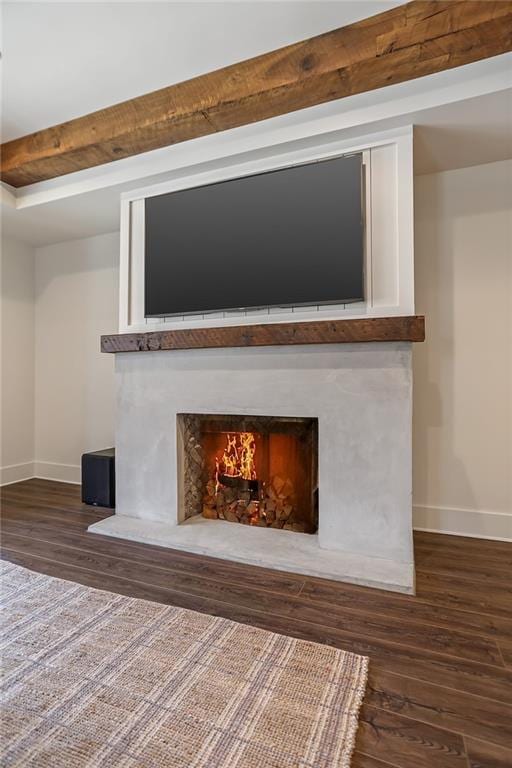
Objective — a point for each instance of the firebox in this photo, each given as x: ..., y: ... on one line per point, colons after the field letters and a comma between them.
x: 252, y: 470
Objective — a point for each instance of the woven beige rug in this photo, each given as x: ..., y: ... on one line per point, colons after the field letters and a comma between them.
x: 93, y: 679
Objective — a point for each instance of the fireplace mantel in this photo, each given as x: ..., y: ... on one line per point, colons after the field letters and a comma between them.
x: 368, y: 329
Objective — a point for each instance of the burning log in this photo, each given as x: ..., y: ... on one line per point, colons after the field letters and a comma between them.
x: 235, y: 493
x: 240, y: 483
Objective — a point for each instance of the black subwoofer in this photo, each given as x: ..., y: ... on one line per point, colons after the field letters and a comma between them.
x: 99, y: 478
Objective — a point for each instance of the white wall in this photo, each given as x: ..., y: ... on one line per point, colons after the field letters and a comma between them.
x: 17, y: 361
x: 76, y: 290
x: 463, y: 373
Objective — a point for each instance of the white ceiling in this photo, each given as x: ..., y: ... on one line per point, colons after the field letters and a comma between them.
x: 469, y: 132
x: 63, y: 60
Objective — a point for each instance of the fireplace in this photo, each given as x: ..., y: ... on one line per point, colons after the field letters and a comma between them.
x: 259, y: 470
x: 181, y: 411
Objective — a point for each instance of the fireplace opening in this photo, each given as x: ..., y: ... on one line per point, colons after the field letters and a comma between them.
x: 258, y: 470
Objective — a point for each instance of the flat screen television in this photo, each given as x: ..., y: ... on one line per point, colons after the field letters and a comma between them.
x: 284, y: 238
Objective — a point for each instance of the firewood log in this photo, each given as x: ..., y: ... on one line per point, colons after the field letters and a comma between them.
x: 230, y: 495
x: 277, y: 484
x: 252, y: 508
x: 288, y: 509
x: 287, y: 489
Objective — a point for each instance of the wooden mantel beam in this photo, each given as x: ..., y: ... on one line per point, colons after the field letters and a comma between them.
x: 345, y: 331
x: 419, y: 38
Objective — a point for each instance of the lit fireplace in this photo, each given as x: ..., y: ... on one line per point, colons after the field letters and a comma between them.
x: 259, y: 471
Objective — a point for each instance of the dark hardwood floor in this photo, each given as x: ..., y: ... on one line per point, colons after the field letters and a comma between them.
x: 440, y: 686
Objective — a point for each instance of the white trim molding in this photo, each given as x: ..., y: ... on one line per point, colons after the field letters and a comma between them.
x: 62, y: 473
x: 42, y: 470
x: 15, y: 473
x: 388, y: 163
x: 474, y: 523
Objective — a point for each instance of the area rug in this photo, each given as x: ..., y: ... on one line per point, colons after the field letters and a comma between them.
x: 94, y: 679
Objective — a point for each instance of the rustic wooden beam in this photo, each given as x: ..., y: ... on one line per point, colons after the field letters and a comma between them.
x: 406, y: 42
x: 411, y: 328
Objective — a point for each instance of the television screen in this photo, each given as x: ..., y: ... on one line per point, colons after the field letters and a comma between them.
x: 284, y: 238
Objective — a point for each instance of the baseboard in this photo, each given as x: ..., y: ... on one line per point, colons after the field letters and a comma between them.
x: 474, y: 523
x: 62, y: 473
x: 44, y: 470
x: 15, y: 473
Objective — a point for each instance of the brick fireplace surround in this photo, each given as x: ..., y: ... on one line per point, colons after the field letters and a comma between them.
x: 361, y: 394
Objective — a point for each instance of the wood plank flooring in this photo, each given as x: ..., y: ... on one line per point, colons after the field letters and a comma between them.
x: 440, y: 686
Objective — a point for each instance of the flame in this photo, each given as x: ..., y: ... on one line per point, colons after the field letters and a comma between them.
x: 238, y: 457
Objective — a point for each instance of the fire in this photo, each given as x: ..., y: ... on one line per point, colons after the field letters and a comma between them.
x: 238, y: 457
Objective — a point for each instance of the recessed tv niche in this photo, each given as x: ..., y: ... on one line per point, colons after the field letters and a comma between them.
x: 283, y: 238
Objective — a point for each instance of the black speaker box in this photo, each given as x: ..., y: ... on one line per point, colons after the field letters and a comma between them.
x: 99, y: 478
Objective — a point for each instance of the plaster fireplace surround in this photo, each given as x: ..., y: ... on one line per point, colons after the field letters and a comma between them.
x: 277, y: 437
x: 345, y: 409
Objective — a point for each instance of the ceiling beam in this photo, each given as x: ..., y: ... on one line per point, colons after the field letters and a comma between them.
x: 409, y: 41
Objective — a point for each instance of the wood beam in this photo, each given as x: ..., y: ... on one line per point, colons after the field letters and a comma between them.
x: 412, y: 40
